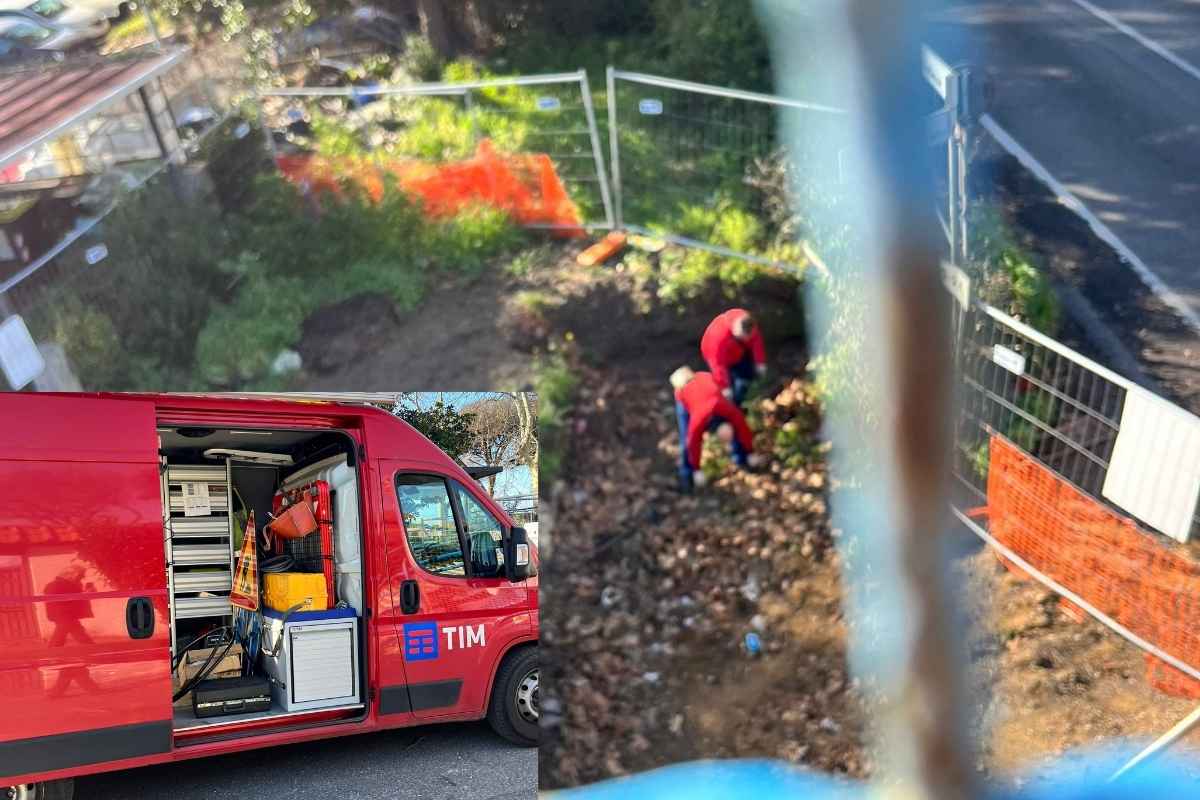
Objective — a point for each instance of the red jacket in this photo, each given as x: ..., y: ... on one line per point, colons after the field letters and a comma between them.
x: 703, y: 400
x: 721, y: 349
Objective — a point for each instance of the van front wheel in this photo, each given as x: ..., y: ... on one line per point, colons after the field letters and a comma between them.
x: 49, y: 790
x: 514, y: 709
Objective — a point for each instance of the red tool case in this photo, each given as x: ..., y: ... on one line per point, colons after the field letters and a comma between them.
x: 313, y: 553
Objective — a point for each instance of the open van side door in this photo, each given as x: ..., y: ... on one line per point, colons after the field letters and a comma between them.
x: 456, y: 615
x: 84, y: 642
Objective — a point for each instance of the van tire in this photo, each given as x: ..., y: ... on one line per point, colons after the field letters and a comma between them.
x: 47, y: 790
x: 504, y: 714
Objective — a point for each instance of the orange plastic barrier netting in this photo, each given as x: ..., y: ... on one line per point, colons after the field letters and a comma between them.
x: 525, y: 185
x: 1147, y: 586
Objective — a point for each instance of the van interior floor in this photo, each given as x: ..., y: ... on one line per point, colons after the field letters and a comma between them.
x: 185, y: 719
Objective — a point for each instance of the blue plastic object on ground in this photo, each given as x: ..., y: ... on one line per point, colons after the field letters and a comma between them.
x: 1073, y: 778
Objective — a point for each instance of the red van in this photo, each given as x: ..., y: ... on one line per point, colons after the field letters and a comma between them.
x: 121, y: 519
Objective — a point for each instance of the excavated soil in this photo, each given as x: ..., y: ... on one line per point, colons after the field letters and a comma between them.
x: 648, y: 594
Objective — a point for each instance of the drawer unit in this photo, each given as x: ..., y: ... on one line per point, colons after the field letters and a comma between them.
x: 198, y: 539
x: 315, y: 664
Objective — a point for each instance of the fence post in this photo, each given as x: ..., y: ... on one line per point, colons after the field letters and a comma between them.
x: 614, y: 146
x: 597, y: 154
x: 964, y: 105
x: 469, y: 107
x: 952, y: 164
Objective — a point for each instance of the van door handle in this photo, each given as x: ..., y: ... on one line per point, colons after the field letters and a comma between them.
x: 139, y: 618
x: 410, y: 597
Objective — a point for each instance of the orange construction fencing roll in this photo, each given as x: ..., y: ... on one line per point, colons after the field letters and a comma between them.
x: 524, y: 185
x: 1150, y: 586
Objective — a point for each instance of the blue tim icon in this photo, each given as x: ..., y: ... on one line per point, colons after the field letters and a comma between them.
x: 420, y: 641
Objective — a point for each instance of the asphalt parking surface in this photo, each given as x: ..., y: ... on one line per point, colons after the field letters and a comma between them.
x: 461, y: 761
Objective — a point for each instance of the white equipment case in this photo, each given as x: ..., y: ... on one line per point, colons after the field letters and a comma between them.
x: 316, y: 658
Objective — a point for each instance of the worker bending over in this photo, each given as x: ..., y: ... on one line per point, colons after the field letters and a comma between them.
x: 733, y: 348
x: 701, y: 407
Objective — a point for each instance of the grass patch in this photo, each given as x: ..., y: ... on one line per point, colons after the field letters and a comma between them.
x: 555, y: 383
x: 135, y: 30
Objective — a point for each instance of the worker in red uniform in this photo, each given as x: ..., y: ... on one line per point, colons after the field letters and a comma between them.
x: 733, y: 348
x: 701, y: 407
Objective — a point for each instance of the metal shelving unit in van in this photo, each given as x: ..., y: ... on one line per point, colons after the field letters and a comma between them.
x: 199, y: 548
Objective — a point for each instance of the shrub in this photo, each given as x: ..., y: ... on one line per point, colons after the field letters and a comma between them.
x: 1007, y: 275
x: 466, y: 242
x: 239, y: 341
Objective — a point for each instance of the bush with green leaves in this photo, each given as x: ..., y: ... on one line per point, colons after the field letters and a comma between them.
x: 297, y: 253
x: 1007, y: 275
x: 130, y: 320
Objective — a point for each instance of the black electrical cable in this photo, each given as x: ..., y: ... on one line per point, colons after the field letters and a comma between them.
x: 183, y: 650
x: 280, y: 563
x: 209, y: 665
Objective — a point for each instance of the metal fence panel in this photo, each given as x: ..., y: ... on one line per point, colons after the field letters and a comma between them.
x: 536, y: 114
x: 1053, y: 403
x: 679, y: 149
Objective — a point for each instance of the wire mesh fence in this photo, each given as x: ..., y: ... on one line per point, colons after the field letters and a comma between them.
x: 1060, y: 465
x: 1051, y: 402
x: 683, y: 154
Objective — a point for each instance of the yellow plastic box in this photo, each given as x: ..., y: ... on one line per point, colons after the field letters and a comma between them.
x: 282, y: 590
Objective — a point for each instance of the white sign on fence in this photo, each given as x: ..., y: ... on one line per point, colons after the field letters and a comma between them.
x: 1154, y: 472
x: 96, y: 253
x: 1011, y: 360
x: 650, y: 106
x: 549, y: 104
x: 20, y: 359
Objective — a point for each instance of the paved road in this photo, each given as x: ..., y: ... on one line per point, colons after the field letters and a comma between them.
x: 1110, y: 118
x: 444, y: 762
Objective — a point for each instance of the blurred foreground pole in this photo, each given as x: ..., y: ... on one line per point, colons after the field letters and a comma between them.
x: 890, y: 427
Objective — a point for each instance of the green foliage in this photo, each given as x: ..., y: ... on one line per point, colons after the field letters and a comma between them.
x: 1007, y: 275
x: 347, y: 245
x: 685, y: 274
x: 89, y: 339
x: 130, y: 321
x: 1041, y: 406
x: 239, y: 341
x: 334, y: 138
x: 469, y: 240
x: 713, y: 41
x: 555, y: 384
x: 232, y: 162
x: 442, y: 424
x: 419, y: 61
x: 529, y: 260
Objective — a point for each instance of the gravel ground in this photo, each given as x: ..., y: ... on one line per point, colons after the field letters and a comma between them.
x: 465, y: 761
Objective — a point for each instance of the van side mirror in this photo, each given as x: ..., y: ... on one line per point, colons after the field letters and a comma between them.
x: 516, y: 555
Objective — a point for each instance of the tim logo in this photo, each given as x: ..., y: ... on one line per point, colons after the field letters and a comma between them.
x: 422, y: 642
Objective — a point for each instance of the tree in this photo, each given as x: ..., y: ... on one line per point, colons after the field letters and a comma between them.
x: 504, y: 433
x: 443, y: 424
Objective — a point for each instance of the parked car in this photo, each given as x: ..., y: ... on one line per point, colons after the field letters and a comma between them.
x: 40, y: 33
x: 413, y: 600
